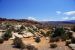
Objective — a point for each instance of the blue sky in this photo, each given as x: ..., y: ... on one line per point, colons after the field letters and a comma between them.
x: 40, y: 10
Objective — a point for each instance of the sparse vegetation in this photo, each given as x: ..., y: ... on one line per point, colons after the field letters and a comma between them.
x: 59, y: 35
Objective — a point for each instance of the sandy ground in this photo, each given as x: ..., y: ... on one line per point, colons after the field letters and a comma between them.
x: 7, y: 46
x: 43, y: 45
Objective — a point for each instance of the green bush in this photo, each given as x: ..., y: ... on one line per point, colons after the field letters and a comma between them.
x: 1, y: 40
x: 17, y: 42
x: 37, y: 39
x: 53, y: 45
x: 7, y: 34
x: 58, y: 32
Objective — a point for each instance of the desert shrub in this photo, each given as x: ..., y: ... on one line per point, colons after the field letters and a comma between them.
x: 48, y: 33
x: 53, y: 45
x: 52, y: 40
x: 20, y: 33
x: 69, y: 35
x: 22, y: 27
x: 73, y: 29
x: 31, y: 30
x: 7, y: 34
x: 73, y: 40
x: 17, y: 42
x: 31, y: 47
x: 37, y: 39
x: 56, y: 39
x: 43, y: 33
x: 64, y: 37
x: 8, y: 25
x: 35, y: 29
x: 58, y: 32
x: 17, y: 30
x: 67, y: 43
x: 1, y: 40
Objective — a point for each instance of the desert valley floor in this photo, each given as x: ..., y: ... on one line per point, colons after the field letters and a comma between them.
x: 43, y: 45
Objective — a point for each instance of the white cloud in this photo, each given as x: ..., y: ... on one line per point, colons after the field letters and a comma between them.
x: 58, y: 12
x: 68, y: 18
x: 45, y: 20
x: 65, y: 18
x: 31, y: 18
x: 69, y: 13
x: 72, y: 18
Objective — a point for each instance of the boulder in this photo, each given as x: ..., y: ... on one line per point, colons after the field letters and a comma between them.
x: 72, y: 46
